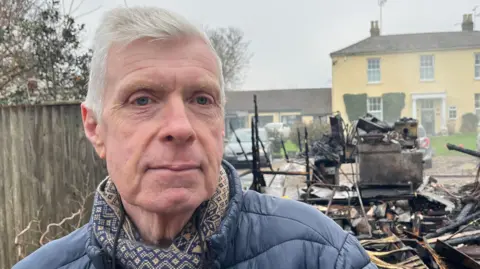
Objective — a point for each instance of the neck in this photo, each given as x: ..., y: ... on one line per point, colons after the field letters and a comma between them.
x: 157, y: 229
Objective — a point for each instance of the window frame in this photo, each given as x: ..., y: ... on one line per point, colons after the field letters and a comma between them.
x: 374, y: 73
x: 450, y: 110
x: 425, y: 68
x: 376, y: 111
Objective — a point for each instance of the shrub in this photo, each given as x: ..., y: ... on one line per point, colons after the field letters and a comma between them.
x: 355, y: 105
x: 276, y: 143
x: 315, y: 130
x: 451, y: 127
x: 469, y: 123
x: 393, y: 104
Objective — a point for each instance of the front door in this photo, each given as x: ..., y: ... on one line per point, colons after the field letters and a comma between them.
x: 428, y: 116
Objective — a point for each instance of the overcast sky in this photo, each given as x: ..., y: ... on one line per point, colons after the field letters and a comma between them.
x: 291, y: 40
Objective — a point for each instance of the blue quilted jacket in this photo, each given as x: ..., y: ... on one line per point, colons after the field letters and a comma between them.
x: 259, y: 231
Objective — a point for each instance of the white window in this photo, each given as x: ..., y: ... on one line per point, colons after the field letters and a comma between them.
x: 452, y: 112
x: 373, y: 70
x: 427, y: 69
x: 290, y: 120
x: 374, y: 107
x: 477, y: 65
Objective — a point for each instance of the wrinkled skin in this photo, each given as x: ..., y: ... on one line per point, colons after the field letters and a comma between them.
x: 162, y: 125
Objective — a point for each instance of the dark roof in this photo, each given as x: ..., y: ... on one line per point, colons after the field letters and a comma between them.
x: 309, y: 101
x: 413, y: 43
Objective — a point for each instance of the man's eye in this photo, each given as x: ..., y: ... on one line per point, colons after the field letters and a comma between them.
x: 142, y: 101
x: 202, y: 100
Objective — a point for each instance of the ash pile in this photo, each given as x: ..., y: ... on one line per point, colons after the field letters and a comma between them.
x: 395, y: 211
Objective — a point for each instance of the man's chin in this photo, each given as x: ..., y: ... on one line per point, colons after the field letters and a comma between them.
x: 171, y: 201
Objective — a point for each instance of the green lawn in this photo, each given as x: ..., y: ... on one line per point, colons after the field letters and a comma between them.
x: 467, y: 140
x: 289, y: 146
x: 438, y: 143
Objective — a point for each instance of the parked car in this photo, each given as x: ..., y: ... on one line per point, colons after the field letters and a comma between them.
x: 425, y: 147
x: 233, y: 152
x: 279, y: 127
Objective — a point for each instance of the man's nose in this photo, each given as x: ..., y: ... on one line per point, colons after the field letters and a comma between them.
x: 177, y: 127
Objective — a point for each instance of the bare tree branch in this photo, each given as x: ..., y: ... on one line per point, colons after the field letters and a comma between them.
x: 20, y: 253
x: 88, y: 12
x: 56, y: 230
x: 41, y: 58
x: 233, y: 50
x: 59, y: 224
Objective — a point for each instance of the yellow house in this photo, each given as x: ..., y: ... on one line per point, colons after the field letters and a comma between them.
x: 439, y: 73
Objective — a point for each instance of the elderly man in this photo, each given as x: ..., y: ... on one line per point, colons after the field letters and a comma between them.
x: 154, y: 112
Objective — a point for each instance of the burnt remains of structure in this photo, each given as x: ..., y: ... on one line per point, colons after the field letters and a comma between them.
x: 385, y: 202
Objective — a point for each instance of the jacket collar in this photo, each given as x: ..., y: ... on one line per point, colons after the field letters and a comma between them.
x: 218, y: 243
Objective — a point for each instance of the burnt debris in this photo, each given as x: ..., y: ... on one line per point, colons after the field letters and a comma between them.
x: 387, y: 202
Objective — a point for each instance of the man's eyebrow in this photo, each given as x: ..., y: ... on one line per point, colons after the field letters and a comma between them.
x: 136, y: 84
x: 207, y: 84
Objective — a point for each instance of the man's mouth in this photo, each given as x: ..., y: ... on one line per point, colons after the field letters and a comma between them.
x: 176, y: 167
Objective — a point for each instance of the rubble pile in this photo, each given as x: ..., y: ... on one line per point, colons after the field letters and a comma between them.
x: 402, y: 218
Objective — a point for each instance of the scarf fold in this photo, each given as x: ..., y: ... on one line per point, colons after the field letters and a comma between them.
x: 186, y: 249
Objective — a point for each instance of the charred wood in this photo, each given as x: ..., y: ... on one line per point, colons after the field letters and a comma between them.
x: 453, y: 226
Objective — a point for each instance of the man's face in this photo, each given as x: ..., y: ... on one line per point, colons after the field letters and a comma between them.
x: 162, y: 126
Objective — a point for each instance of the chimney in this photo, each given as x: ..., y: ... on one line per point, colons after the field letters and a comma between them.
x: 374, y: 30
x: 467, y: 23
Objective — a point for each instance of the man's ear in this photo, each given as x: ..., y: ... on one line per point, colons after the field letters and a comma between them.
x: 92, y: 130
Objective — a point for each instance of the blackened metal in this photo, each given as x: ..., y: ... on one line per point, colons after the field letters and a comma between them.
x: 336, y: 129
x: 463, y: 150
x: 416, y: 224
x: 436, y: 219
x: 258, y: 182
x: 428, y: 226
x: 469, y: 239
x: 307, y: 159
x: 369, y: 123
x: 264, y: 152
x: 454, y: 257
x: 284, y: 150
x: 453, y: 226
x: 274, y: 176
x: 386, y: 164
x: 287, y: 173
x: 384, y: 191
x: 408, y: 129
x: 465, y: 211
x: 330, y: 201
x: 260, y: 179
x: 361, y: 205
x: 473, y: 251
x: 255, y: 179
x: 299, y: 139
x: 238, y: 141
x: 386, y: 226
x: 431, y: 212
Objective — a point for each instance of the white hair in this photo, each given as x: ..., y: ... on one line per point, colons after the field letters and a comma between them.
x: 125, y: 25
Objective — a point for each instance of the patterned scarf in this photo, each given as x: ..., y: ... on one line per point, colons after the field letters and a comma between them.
x: 131, y: 252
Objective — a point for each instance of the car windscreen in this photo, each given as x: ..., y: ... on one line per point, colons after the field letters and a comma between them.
x: 246, y: 136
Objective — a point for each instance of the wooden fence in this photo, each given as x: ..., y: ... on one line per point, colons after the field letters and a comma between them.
x: 47, y: 166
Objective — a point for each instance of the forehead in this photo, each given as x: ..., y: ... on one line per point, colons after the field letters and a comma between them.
x: 179, y: 60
